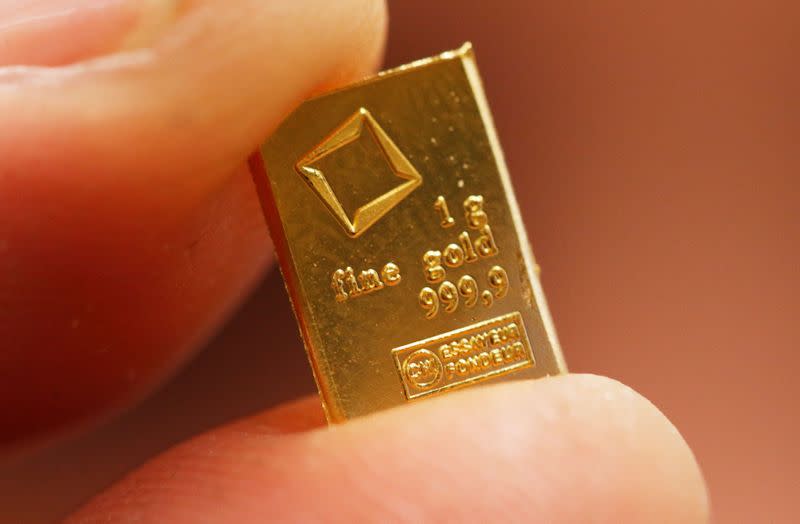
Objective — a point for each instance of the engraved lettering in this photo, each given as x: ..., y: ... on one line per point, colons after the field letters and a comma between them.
x: 352, y: 284
x: 441, y: 206
x: 478, y: 352
x: 422, y: 369
x: 337, y: 283
x: 448, y: 295
x: 369, y: 281
x: 429, y: 301
x: 498, y: 280
x: 484, y: 244
x: 391, y: 274
x: 468, y: 288
x: 466, y: 245
x: 453, y: 255
x: 466, y: 250
x: 434, y: 272
x: 486, y: 298
x: 346, y: 284
x: 473, y: 210
x: 497, y: 356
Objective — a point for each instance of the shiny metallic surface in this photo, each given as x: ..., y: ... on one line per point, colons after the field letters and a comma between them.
x: 400, y: 240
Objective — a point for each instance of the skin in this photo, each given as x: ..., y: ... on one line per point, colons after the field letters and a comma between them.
x: 129, y: 228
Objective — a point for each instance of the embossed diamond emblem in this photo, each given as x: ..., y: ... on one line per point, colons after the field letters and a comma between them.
x: 367, y: 214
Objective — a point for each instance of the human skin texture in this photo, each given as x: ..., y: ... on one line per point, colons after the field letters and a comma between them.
x: 129, y: 223
x: 131, y: 228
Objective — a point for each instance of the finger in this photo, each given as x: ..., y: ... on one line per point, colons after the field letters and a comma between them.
x: 57, y: 32
x: 567, y: 449
x: 194, y: 103
x: 128, y: 222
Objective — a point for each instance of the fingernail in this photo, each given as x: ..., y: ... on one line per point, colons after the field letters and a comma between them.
x: 58, y: 32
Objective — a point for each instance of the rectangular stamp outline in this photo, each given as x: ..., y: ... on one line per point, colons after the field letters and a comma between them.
x: 401, y: 354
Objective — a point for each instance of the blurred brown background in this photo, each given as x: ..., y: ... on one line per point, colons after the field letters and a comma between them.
x: 654, y: 149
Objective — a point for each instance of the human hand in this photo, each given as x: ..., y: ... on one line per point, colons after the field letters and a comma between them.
x: 130, y: 226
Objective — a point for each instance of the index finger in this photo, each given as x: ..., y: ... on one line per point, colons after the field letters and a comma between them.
x: 129, y: 226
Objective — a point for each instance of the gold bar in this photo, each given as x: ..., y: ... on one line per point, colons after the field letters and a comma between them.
x: 400, y: 240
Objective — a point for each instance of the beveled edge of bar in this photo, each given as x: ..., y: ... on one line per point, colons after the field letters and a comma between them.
x: 465, y: 51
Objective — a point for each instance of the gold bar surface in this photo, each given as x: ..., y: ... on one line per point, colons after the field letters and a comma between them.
x: 400, y: 240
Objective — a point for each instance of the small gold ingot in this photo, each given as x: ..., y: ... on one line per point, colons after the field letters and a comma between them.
x: 400, y: 240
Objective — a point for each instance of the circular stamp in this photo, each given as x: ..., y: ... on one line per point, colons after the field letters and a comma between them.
x: 422, y: 369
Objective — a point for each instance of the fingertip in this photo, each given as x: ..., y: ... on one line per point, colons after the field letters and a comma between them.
x: 567, y: 449
x: 571, y: 448
x: 188, y: 109
x: 634, y: 464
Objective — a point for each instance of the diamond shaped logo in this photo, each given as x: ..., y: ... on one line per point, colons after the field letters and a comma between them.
x: 370, y: 212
